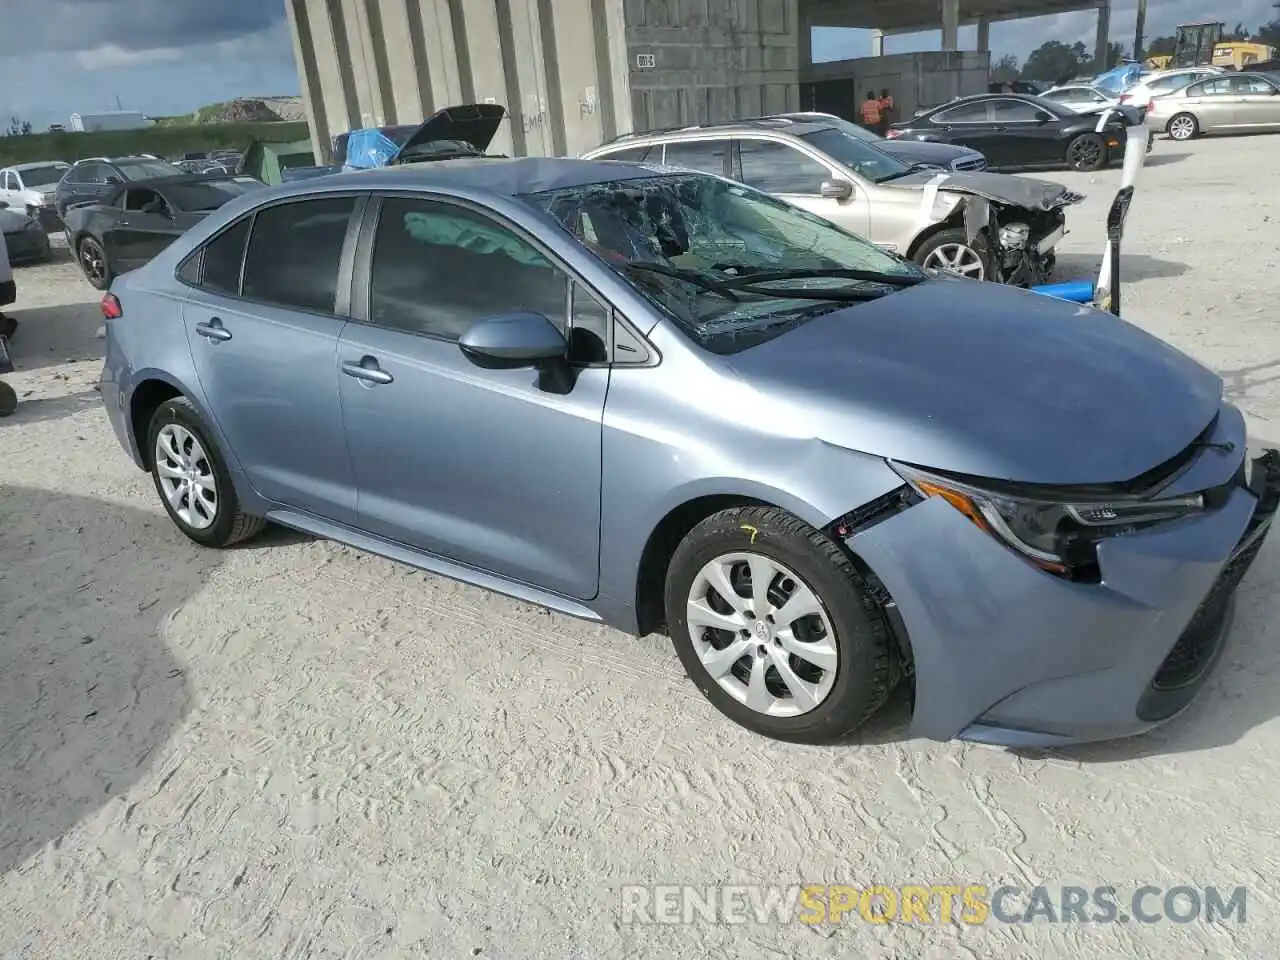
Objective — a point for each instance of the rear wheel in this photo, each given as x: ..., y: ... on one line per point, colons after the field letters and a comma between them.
x: 775, y: 626
x: 94, y: 263
x: 8, y: 399
x: 192, y: 480
x: 951, y: 250
x: 1087, y: 152
x: 1184, y: 126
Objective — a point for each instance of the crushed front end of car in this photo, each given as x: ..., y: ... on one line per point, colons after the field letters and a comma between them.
x: 1032, y: 621
x: 1024, y: 220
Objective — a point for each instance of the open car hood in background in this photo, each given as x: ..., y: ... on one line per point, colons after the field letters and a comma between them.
x: 475, y: 124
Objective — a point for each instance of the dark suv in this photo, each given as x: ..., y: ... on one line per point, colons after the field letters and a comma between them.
x: 97, y: 177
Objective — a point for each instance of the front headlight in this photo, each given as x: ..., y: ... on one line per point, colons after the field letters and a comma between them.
x: 1056, y: 536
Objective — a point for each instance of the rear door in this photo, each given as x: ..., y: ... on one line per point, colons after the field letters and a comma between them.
x: 263, y: 321
x: 969, y: 125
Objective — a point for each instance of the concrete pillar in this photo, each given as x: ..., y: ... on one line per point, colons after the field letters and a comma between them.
x: 804, y: 40
x: 877, y: 43
x: 950, y: 24
x: 1104, y: 34
x: 984, y: 35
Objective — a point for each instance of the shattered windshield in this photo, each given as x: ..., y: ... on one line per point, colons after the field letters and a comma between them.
x: 729, y: 264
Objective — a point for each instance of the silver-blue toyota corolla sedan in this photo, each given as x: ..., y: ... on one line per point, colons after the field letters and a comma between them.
x: 666, y: 401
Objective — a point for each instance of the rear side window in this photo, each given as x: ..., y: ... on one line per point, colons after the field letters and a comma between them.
x: 966, y: 113
x: 630, y: 155
x: 222, y: 260
x: 705, y: 156
x: 294, y: 253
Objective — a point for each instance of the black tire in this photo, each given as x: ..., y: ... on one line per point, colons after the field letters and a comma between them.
x: 8, y: 399
x: 958, y: 237
x: 1187, y: 127
x: 867, y: 668
x: 230, y: 524
x: 8, y: 326
x: 1087, y: 153
x: 87, y: 249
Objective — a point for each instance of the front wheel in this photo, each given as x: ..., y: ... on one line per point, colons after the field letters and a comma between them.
x: 8, y: 399
x: 775, y: 626
x: 1087, y: 153
x: 94, y: 263
x: 952, y: 251
x: 1184, y: 126
x: 192, y: 480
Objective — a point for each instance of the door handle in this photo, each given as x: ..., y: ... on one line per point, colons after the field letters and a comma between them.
x: 366, y: 369
x: 213, y: 331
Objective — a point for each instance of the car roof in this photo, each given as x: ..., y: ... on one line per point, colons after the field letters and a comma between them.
x: 122, y: 159
x: 501, y: 176
x: 36, y: 165
x: 175, y: 180
x: 796, y: 124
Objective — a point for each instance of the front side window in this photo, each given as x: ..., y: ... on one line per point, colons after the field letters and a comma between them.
x: 730, y: 265
x: 1244, y: 86
x: 438, y: 268
x: 294, y: 253
x: 779, y: 168
x: 1013, y: 111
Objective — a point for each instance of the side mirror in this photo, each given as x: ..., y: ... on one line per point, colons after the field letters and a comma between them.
x: 836, y: 189
x: 513, y: 340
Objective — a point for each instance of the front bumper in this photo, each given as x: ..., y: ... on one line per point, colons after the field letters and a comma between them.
x: 1005, y: 654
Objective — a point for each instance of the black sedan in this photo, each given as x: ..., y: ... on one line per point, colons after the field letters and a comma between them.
x: 1017, y: 132
x: 138, y: 220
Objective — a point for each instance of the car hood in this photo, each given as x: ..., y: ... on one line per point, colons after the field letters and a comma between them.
x: 1025, y: 192
x: 475, y: 124
x: 986, y: 380
x: 919, y: 151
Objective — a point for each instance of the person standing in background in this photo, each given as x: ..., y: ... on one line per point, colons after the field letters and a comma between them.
x: 871, y: 111
x: 886, y: 111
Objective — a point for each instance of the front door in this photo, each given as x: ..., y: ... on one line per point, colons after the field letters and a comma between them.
x: 144, y: 228
x: 265, y: 352
x: 483, y: 467
x: 1257, y: 102
x: 781, y: 169
x: 1023, y: 133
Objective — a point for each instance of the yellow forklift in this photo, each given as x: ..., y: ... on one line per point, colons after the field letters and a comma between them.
x: 1200, y: 44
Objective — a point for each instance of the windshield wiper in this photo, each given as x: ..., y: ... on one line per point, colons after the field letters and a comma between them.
x: 914, y: 168
x: 688, y: 276
x: 865, y: 276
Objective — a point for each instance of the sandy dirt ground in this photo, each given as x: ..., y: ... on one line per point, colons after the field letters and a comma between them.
x: 295, y: 750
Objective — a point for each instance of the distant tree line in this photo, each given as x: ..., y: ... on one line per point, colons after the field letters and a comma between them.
x: 1055, y: 61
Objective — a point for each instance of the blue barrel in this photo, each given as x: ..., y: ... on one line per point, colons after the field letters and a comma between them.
x: 1077, y: 291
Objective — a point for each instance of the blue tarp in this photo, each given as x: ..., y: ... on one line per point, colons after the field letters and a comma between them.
x: 1119, y: 78
x: 369, y: 148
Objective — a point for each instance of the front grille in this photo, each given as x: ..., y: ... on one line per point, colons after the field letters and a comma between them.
x: 978, y: 163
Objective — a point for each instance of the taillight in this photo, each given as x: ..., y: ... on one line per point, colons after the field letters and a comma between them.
x: 111, y: 308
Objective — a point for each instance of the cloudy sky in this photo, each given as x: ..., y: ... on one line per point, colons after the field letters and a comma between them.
x: 59, y: 57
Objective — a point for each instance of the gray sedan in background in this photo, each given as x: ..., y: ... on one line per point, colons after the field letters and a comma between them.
x: 1231, y: 103
x: 667, y: 401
